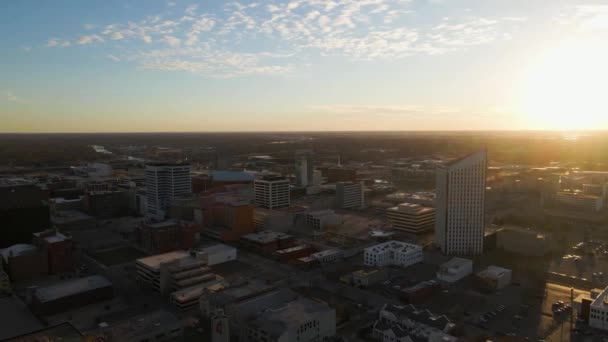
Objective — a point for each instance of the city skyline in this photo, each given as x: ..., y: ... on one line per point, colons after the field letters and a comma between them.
x: 303, y: 65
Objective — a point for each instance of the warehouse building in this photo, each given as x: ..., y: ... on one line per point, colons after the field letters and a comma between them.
x: 70, y: 294
x: 493, y: 278
x: 454, y: 270
x: 219, y: 253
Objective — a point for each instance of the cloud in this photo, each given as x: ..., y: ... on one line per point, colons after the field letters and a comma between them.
x: 57, y: 42
x: 10, y: 96
x: 84, y: 40
x: 26, y: 48
x: 89, y: 27
x: 191, y: 10
x: 114, y: 58
x: 253, y: 32
x: 172, y: 41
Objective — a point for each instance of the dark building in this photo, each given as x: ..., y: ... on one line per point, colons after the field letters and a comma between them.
x: 24, y: 210
x: 59, y: 250
x: 340, y: 174
x: 24, y: 261
x: 169, y: 236
x: 70, y: 294
x: 106, y: 204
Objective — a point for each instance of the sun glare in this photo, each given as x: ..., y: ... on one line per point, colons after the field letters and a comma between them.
x: 567, y: 88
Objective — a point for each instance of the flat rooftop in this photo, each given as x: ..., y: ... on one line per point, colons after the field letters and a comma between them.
x: 493, y: 272
x: 155, y: 261
x: 17, y: 319
x: 266, y: 236
x: 326, y: 252
x: 71, y: 287
x: 411, y: 208
x: 217, y: 248
x: 143, y: 325
x: 395, y: 246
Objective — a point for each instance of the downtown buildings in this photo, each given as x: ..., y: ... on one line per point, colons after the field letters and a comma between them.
x: 304, y: 168
x: 460, y: 205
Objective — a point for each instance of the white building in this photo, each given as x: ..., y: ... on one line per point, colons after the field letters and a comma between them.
x: 304, y: 168
x: 318, y: 220
x: 393, y: 253
x: 460, y: 203
x: 455, y: 269
x: 411, y: 218
x: 349, y: 195
x: 598, y: 314
x: 328, y: 255
x: 218, y: 254
x: 271, y: 192
x: 164, y: 183
x: 494, y: 278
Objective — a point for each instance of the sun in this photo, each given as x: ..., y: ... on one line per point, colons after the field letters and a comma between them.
x: 567, y: 88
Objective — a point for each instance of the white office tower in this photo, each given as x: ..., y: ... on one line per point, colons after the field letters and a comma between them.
x: 460, y: 204
x: 271, y: 192
x: 349, y: 195
x: 220, y: 330
x: 304, y: 168
x: 165, y: 182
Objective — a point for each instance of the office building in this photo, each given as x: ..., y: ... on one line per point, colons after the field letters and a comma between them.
x: 349, y: 195
x: 164, y: 183
x: 454, y: 270
x: 411, y: 218
x: 573, y: 200
x: 304, y: 168
x: 598, y: 313
x: 328, y: 256
x: 271, y: 192
x: 167, y: 236
x: 188, y: 298
x: 227, y: 218
x: 58, y: 247
x: 460, y: 205
x: 70, y: 294
x: 24, y: 210
x: 523, y: 241
x: 393, y: 252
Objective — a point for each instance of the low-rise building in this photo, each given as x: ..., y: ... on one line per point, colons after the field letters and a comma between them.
x: 70, y: 294
x: 454, y: 270
x: 218, y: 253
x: 411, y: 218
x: 24, y: 262
x: 267, y: 242
x: 320, y: 219
x: 573, y: 200
x: 367, y: 278
x: 229, y: 297
x: 393, y: 252
x: 72, y: 220
x: 295, y: 252
x: 493, y: 278
x: 403, y: 322
x: 522, y: 241
x: 153, y: 326
x: 598, y: 313
x: 188, y: 298
x: 328, y: 256
x: 106, y: 204
x: 282, y: 315
x: 420, y: 292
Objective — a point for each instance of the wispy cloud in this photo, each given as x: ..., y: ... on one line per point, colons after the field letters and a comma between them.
x: 10, y: 96
x: 84, y: 40
x: 358, y: 30
x: 114, y: 58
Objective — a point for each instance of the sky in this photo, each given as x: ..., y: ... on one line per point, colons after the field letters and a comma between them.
x: 302, y: 65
